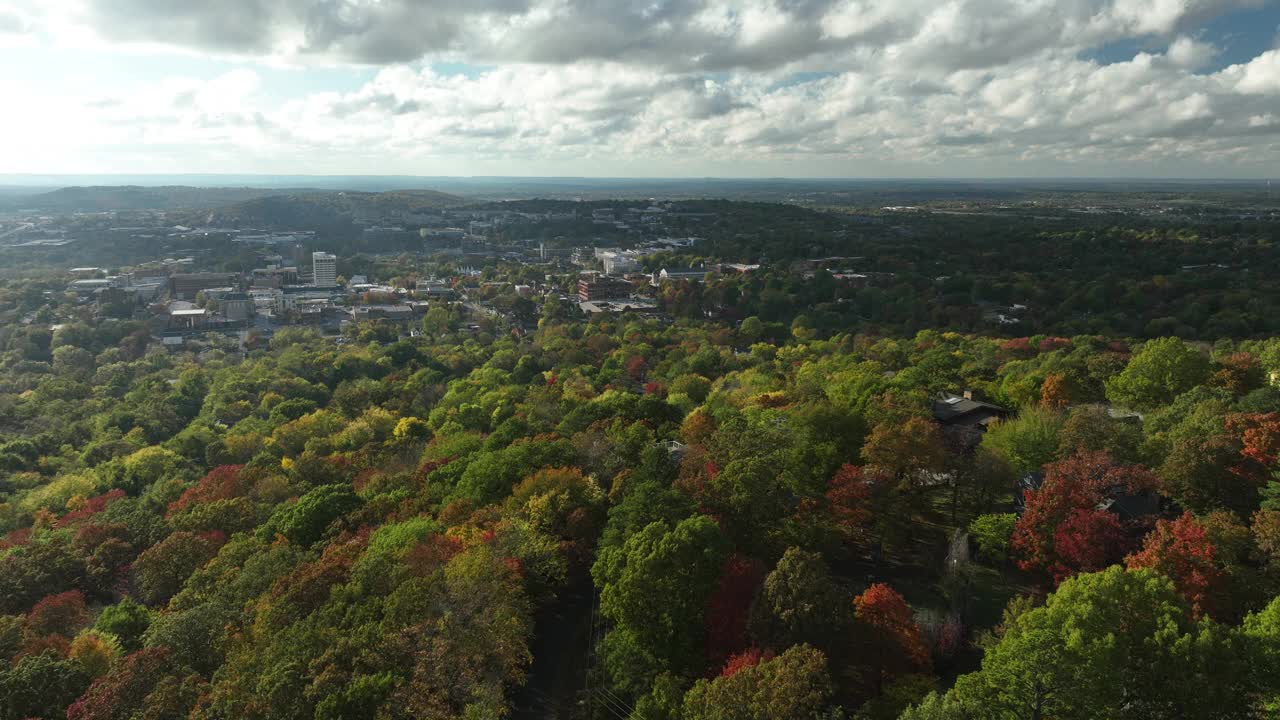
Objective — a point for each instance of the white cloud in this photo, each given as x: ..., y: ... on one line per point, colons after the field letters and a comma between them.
x: 1260, y: 76
x: 1191, y: 54
x: 593, y: 85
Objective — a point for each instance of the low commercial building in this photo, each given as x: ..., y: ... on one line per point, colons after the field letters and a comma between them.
x: 185, y: 286
x: 603, y: 288
x: 236, y: 306
x: 678, y: 273
x: 617, y: 306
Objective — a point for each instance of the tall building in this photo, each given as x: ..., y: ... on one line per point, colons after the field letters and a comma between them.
x: 324, y: 269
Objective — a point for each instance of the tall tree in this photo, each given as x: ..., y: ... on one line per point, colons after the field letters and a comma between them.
x: 1161, y: 370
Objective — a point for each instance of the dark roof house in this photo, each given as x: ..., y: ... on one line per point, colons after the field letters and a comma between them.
x: 964, y: 419
x: 952, y: 409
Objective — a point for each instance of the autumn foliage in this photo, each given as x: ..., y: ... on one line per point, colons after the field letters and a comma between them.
x: 849, y: 500
x: 729, y: 608
x: 891, y: 643
x: 1062, y: 532
x: 1181, y: 550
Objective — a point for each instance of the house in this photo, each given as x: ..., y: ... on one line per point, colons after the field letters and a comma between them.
x: 678, y: 273
x: 951, y: 409
x: 964, y: 419
x: 1132, y: 507
x: 1029, y: 482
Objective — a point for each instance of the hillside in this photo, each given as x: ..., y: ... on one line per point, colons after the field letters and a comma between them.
x: 136, y: 197
x: 322, y: 209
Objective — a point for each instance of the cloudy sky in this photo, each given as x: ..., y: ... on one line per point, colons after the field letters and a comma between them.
x: 802, y: 88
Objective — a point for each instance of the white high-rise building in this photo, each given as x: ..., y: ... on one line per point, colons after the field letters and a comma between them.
x: 324, y: 269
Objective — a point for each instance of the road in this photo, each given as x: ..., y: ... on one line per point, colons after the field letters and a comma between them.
x: 20, y: 228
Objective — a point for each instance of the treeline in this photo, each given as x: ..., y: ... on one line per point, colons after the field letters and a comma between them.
x: 773, y: 526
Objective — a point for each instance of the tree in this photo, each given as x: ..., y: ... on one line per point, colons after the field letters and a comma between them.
x: 305, y: 521
x: 1028, y: 441
x: 939, y: 707
x: 1181, y: 551
x: 161, y: 569
x: 751, y: 329
x: 799, y: 603
x: 889, y: 641
x: 562, y: 503
x: 1115, y: 644
x: 913, y: 446
x: 1060, y: 532
x: 795, y: 684
x: 95, y: 652
x: 1056, y: 392
x: 124, y: 690
x: 1161, y: 370
x: 1091, y: 428
x: 849, y: 502
x: 465, y: 660
x: 729, y: 607
x: 60, y: 614
x: 1089, y: 540
x: 435, y: 322
x: 655, y: 588
x: 126, y: 621
x: 1262, y: 637
x: 1202, y: 473
x: 40, y: 686
x: 992, y: 533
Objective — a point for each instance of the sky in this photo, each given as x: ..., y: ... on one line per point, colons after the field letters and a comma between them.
x: 643, y: 88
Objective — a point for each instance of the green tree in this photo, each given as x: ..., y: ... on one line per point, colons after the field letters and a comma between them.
x: 655, y: 588
x: 435, y: 322
x: 1115, y: 644
x: 1159, y: 372
x: 796, y: 684
x: 305, y: 521
x: 40, y: 686
x: 127, y: 621
x: 991, y: 533
x: 1028, y: 441
x: 800, y: 603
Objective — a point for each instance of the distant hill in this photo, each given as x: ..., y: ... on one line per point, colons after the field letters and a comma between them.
x: 323, y: 209
x: 137, y: 197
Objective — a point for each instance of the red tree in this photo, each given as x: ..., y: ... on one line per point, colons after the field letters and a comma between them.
x: 1088, y: 541
x: 1181, y: 550
x: 221, y: 483
x: 745, y: 659
x: 637, y: 368
x: 61, y: 614
x: 1017, y: 348
x: 891, y: 642
x: 121, y: 692
x: 729, y: 607
x: 1259, y: 435
x: 1071, y: 486
x: 57, y: 644
x: 1050, y: 344
x: 92, y: 506
x: 849, y: 501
